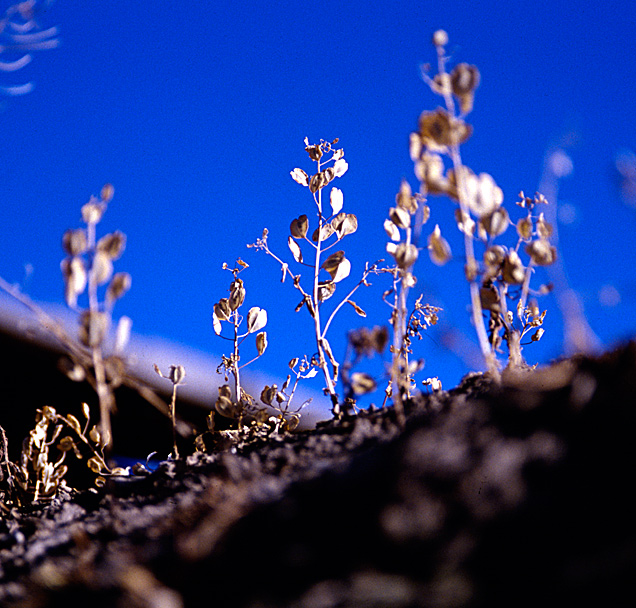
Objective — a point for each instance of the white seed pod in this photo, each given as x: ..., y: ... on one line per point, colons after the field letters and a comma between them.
x: 344, y: 224
x: 336, y: 200
x: 400, y: 217
x: 295, y: 249
x: 256, y: 319
x: 102, y: 267
x: 496, y: 222
x: 340, y: 167
x: 75, y: 279
x: 300, y: 177
x: 391, y: 230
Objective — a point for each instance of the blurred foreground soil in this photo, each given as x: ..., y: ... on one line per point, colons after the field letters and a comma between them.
x: 512, y: 495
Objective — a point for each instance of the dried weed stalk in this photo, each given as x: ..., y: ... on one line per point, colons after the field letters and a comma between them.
x: 235, y: 402
x: 88, y: 267
x: 325, y: 274
x: 42, y: 468
x: 176, y: 376
x: 500, y: 275
x: 403, y: 226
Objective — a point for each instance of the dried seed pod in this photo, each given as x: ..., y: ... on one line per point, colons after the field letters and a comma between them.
x: 340, y: 167
x: 337, y: 266
x: 75, y: 279
x: 112, y: 245
x: 75, y: 242
x: 314, y: 151
x: 261, y: 342
x: 489, y: 297
x: 439, y: 130
x: 256, y: 319
x: 102, y: 267
x: 524, y: 228
x: 237, y: 294
x: 107, y: 193
x: 118, y: 286
x: 222, y: 309
x: 391, y: 230
x: 300, y: 177
x: 513, y: 271
x: 326, y: 230
x: 465, y: 223
x: 295, y: 249
x: 299, y: 226
x: 544, y: 228
x: 464, y: 81
x: 336, y: 200
x: 362, y: 383
x: 404, y: 199
x: 93, y: 328
x: 325, y: 290
x: 344, y: 224
x: 438, y: 247
x: 541, y: 252
x: 400, y: 217
x: 224, y: 404
x: 496, y: 222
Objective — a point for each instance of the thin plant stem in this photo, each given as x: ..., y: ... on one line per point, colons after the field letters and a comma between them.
x: 104, y: 394
x: 471, y: 262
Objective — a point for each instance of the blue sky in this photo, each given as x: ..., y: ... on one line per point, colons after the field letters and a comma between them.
x: 196, y: 113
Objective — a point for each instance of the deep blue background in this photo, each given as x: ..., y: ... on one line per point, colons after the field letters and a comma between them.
x: 197, y: 112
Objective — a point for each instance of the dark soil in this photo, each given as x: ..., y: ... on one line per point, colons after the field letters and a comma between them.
x: 512, y: 495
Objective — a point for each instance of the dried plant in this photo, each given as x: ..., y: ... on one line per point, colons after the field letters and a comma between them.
x: 403, y: 227
x: 331, y: 228
x: 87, y: 268
x: 280, y: 399
x: 501, y: 274
x: 42, y: 468
x: 176, y: 376
x: 237, y: 403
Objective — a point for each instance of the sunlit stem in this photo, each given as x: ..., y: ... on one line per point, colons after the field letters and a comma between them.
x: 400, y: 362
x: 471, y: 262
x: 173, y: 403
x: 104, y: 395
x: 322, y: 361
x: 236, y: 371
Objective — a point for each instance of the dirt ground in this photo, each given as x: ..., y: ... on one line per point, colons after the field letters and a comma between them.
x: 511, y: 495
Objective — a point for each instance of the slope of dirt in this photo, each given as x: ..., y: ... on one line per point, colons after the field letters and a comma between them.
x: 511, y: 495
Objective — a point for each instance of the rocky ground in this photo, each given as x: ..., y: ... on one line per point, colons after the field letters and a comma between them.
x: 511, y: 495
